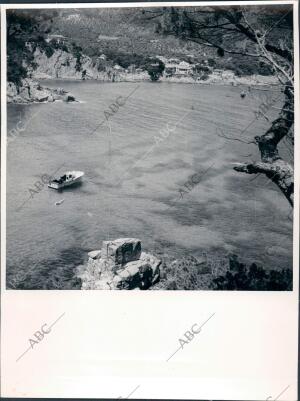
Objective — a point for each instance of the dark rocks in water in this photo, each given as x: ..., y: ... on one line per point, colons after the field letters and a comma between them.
x: 60, y: 91
x: 69, y: 98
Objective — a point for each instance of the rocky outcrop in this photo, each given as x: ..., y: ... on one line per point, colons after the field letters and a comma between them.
x: 30, y: 91
x: 122, y: 251
x: 120, y: 265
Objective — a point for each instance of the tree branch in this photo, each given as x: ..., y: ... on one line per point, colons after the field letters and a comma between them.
x: 280, y: 127
x: 279, y: 172
x: 208, y: 43
x: 284, y: 53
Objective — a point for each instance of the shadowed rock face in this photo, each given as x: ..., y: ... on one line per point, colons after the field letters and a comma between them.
x: 120, y: 265
x: 142, y: 273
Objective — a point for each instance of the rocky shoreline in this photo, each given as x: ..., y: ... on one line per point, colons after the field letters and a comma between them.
x: 30, y: 91
x: 63, y: 65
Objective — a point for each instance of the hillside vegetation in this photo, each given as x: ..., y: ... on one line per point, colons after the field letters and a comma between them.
x: 125, y: 36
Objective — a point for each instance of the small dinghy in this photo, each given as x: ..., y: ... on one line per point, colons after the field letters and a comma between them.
x: 69, y: 178
x: 59, y: 202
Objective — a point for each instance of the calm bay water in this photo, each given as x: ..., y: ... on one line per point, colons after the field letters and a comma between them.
x: 120, y: 197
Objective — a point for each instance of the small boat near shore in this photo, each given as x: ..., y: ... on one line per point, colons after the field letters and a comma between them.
x: 69, y: 178
x: 59, y: 202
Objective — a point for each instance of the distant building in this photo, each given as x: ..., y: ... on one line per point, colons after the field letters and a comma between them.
x: 184, y: 68
x: 218, y: 72
x: 178, y: 69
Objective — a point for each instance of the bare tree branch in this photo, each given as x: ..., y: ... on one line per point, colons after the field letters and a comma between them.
x: 280, y: 172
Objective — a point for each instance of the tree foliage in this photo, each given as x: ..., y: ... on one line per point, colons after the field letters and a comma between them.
x: 154, y: 67
x: 253, y: 278
x: 20, y: 29
x: 27, y: 30
x: 190, y: 273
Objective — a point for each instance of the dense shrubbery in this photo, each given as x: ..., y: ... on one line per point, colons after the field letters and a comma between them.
x: 190, y: 273
x: 154, y: 67
x: 20, y: 29
x: 77, y: 52
x: 204, y: 77
x: 127, y: 59
x: 264, y: 69
x: 253, y: 278
x: 26, y: 30
x: 211, y: 62
x: 199, y: 68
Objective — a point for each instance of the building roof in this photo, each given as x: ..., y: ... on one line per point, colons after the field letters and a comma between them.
x: 184, y: 64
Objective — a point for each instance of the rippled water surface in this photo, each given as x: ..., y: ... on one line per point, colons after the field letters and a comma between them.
x: 132, y: 178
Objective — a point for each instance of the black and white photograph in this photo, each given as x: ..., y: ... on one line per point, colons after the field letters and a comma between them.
x: 150, y: 148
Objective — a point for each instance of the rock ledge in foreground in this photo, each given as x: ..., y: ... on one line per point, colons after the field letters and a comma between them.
x: 120, y: 265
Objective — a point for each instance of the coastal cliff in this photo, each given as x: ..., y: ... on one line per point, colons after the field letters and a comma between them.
x: 65, y: 65
x: 62, y: 64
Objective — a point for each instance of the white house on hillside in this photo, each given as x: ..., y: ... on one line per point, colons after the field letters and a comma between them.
x: 182, y: 68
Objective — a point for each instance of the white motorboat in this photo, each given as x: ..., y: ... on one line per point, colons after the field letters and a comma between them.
x: 69, y: 178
